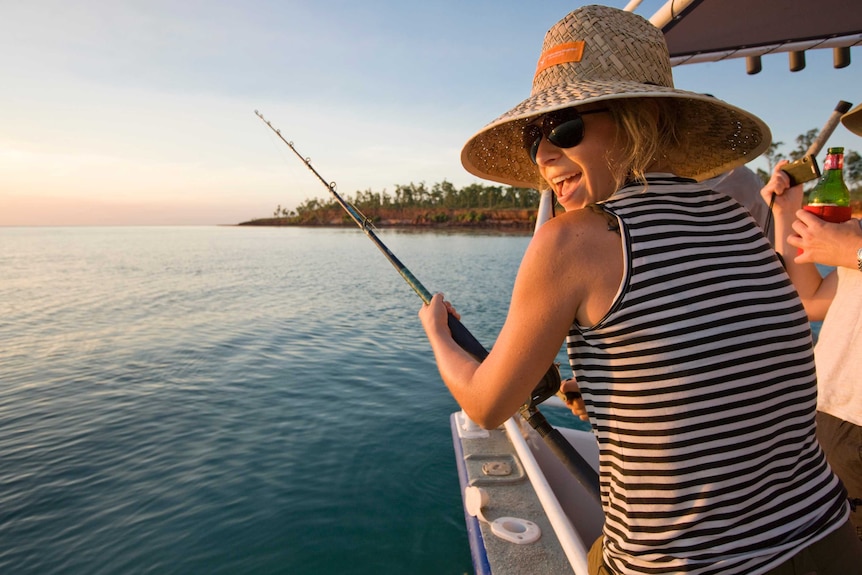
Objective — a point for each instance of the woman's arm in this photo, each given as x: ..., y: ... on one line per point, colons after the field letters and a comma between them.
x: 562, y: 276
x: 815, y: 293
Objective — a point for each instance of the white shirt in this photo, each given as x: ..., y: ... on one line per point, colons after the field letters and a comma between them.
x: 839, y: 376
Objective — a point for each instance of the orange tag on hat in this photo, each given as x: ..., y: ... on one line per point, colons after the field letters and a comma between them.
x: 561, y: 54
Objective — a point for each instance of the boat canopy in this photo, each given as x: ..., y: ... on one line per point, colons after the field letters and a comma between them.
x: 713, y: 30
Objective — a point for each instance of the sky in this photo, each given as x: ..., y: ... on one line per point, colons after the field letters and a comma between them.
x: 142, y: 112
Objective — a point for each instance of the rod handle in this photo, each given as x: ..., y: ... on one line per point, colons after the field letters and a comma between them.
x: 831, y: 123
x: 465, y: 339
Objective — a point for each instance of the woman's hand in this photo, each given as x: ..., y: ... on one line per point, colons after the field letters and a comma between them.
x: 570, y: 393
x: 435, y: 316
x: 824, y: 242
x: 779, y: 194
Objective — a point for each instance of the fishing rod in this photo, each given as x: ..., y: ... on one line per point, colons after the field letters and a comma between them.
x: 548, y: 386
x: 459, y: 333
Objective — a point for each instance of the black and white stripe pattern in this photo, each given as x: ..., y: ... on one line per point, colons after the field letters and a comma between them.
x: 701, y: 390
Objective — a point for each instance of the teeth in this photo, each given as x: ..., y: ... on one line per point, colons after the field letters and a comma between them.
x: 562, y: 179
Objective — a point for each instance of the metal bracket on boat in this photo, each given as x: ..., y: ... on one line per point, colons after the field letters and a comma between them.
x: 494, y: 469
x: 512, y: 529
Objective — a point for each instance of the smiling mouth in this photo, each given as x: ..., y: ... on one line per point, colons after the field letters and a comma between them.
x: 560, y: 181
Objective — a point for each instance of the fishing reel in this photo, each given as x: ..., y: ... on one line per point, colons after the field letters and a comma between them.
x: 546, y: 388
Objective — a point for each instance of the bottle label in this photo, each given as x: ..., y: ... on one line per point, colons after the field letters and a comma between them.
x: 834, y: 162
x: 830, y: 212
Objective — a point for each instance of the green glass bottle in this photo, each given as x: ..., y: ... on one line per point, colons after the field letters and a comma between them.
x: 830, y: 198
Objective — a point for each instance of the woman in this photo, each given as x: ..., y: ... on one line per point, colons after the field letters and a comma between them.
x: 690, y: 346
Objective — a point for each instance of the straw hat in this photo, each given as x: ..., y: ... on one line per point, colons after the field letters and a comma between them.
x: 852, y: 120
x: 598, y: 53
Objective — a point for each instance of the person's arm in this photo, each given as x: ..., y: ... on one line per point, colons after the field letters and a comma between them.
x: 551, y: 287
x: 827, y: 244
x: 815, y: 293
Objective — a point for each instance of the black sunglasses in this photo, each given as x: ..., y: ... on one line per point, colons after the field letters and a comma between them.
x: 563, y: 128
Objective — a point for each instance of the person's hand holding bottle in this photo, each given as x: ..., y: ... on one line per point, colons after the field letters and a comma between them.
x: 826, y: 243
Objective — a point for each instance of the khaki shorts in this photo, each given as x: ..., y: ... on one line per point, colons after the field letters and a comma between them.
x: 839, y: 553
x: 595, y: 562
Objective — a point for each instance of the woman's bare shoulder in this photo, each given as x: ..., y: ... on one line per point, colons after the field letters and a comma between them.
x: 582, y: 251
x: 579, y: 233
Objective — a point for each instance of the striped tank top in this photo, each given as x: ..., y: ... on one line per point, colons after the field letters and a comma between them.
x: 701, y: 390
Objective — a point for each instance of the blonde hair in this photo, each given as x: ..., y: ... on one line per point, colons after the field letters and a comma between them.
x: 648, y: 135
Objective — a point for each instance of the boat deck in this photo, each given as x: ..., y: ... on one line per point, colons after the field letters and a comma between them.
x: 523, y: 479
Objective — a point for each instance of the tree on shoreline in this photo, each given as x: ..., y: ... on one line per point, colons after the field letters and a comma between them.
x: 442, y: 195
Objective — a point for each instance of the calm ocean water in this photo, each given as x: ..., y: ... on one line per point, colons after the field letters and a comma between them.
x: 232, y: 399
